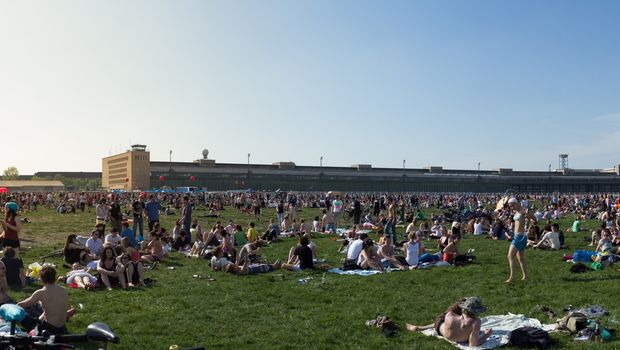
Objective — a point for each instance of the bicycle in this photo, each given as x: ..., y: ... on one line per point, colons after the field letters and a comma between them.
x: 95, y: 332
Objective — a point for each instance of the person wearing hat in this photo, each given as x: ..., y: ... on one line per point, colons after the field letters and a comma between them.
x: 460, y: 323
x: 11, y: 227
x: 519, y: 241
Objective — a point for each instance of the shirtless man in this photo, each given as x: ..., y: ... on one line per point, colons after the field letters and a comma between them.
x: 55, y: 301
x: 460, y: 323
x: 390, y: 226
x: 328, y: 221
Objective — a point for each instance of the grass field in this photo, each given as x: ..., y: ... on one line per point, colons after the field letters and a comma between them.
x: 275, y: 311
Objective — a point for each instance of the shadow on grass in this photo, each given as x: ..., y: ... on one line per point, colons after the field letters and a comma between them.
x: 590, y: 279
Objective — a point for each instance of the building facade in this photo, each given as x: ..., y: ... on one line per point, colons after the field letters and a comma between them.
x: 287, y: 176
x: 127, y: 171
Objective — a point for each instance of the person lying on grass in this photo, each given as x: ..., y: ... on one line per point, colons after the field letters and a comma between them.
x: 300, y: 256
x: 220, y: 263
x: 80, y: 277
x: 460, y: 323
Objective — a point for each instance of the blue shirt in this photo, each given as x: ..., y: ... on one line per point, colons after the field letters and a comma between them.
x: 130, y: 236
x: 152, y: 210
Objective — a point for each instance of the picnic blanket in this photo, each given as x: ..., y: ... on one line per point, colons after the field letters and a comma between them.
x: 340, y: 271
x: 502, y: 326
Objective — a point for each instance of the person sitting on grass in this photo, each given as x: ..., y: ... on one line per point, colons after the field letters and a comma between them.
x: 179, y: 242
x: 80, y: 277
x: 74, y: 251
x: 228, y: 245
x: 55, y: 302
x: 113, y: 239
x: 110, y: 272
x: 240, y: 239
x: 133, y: 273
x: 596, y: 234
x: 15, y: 275
x: 220, y: 263
x: 300, y: 256
x: 136, y: 270
x: 155, y: 250
x: 451, y: 251
x: 551, y: 239
x: 4, y: 286
x: 386, y: 252
x: 94, y: 244
x: 249, y: 252
x: 129, y: 234
x: 252, y: 234
x: 604, y: 244
x: 411, y: 249
x: 460, y: 323
x: 370, y: 259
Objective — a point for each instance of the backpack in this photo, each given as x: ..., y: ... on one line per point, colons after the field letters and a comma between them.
x: 529, y: 337
x: 579, y: 268
x: 573, y: 322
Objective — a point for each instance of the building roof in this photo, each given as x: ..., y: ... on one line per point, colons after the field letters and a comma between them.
x: 19, y: 183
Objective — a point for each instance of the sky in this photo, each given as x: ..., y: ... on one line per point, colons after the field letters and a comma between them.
x: 452, y: 83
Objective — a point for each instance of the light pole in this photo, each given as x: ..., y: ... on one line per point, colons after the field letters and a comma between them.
x: 248, y: 159
x: 403, y: 163
x: 170, y: 159
x: 549, y: 167
x: 321, y: 161
x: 478, y: 166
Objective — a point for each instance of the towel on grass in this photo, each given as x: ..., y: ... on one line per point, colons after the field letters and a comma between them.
x: 502, y: 325
x: 358, y: 272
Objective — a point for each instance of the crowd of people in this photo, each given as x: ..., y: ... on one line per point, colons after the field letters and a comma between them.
x: 128, y: 239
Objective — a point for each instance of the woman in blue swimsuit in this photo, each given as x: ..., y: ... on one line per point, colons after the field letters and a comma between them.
x: 519, y: 242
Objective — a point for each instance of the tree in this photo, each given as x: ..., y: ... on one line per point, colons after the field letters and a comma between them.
x: 10, y: 173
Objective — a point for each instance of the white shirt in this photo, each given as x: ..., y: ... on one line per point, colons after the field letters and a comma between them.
x: 112, y: 239
x: 355, y: 248
x: 553, y: 238
x: 94, y: 245
x: 477, y: 229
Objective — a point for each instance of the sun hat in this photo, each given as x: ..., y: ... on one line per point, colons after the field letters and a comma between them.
x: 472, y: 305
x: 512, y: 200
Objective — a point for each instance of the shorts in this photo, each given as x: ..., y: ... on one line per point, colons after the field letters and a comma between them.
x: 14, y: 243
x: 520, y: 242
x: 330, y: 227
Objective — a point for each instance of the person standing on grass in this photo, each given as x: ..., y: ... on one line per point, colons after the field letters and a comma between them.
x: 11, y: 227
x: 186, y: 219
x: 101, y: 212
x: 152, y: 209
x: 390, y: 225
x: 519, y: 241
x: 116, y: 213
x: 138, y: 214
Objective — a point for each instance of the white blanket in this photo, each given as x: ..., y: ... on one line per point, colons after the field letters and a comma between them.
x: 502, y: 325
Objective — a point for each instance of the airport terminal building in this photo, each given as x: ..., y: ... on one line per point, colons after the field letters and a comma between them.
x: 133, y: 170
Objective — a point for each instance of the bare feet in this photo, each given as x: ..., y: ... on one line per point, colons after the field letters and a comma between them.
x: 130, y: 285
x: 412, y: 327
x: 510, y: 280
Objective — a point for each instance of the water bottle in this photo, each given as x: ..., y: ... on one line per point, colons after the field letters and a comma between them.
x: 173, y: 347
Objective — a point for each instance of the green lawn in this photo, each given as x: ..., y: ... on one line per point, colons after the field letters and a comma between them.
x: 275, y: 311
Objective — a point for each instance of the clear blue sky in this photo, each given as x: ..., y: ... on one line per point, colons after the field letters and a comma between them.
x: 451, y: 83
